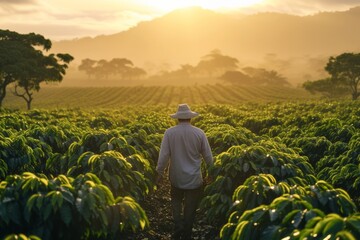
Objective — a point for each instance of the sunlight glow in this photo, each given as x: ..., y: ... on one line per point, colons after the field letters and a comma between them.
x: 169, y: 5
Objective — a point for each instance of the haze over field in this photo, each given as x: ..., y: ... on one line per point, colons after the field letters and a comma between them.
x: 66, y: 19
x: 294, y: 38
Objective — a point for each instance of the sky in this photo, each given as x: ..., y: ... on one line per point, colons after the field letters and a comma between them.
x: 70, y: 19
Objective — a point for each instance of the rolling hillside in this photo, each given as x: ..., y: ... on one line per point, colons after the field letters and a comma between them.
x: 295, y: 46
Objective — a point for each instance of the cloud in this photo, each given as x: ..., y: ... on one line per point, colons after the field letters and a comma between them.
x: 16, y: 2
x: 304, y: 7
x: 337, y: 2
x: 59, y: 19
x: 9, y: 8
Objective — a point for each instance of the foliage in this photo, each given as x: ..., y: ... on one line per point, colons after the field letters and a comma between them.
x: 254, y: 76
x: 16, y: 52
x: 222, y: 137
x: 21, y: 237
x: 63, y: 208
x: 293, y: 211
x: 132, y: 176
x: 215, y: 62
x: 24, y: 63
x: 100, y: 162
x: 327, y: 86
x: 121, y: 67
x: 238, y: 163
x: 344, y: 70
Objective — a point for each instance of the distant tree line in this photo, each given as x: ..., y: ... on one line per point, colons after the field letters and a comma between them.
x: 225, y: 68
x: 24, y: 64
x: 255, y: 76
x: 120, y: 67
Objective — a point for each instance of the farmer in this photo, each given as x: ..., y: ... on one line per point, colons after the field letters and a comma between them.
x: 182, y: 149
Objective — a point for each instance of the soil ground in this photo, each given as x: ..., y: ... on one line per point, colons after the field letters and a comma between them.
x: 158, y: 210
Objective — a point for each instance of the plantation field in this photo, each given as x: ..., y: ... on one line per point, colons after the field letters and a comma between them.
x: 109, y: 97
x: 283, y: 169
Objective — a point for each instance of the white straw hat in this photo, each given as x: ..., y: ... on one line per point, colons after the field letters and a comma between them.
x: 184, y: 112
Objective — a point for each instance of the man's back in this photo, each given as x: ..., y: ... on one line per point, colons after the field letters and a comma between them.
x: 185, y: 145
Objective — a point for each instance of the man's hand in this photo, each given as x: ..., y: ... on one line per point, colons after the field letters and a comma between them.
x: 159, y: 179
x: 208, y: 180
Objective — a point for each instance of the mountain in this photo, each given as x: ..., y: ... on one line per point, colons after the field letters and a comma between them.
x: 287, y: 43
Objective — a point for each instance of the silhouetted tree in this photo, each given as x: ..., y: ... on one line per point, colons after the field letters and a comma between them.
x: 134, y: 73
x: 49, y: 68
x: 344, y: 70
x: 87, y: 65
x: 216, y: 63
x: 262, y: 76
x: 325, y: 86
x: 254, y: 76
x: 14, y: 48
x: 103, y: 69
x: 236, y: 77
x: 120, y: 66
x: 117, y: 67
x: 22, y: 61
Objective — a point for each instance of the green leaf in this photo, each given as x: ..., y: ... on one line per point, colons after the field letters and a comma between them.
x: 106, y: 175
x: 305, y: 234
x: 293, y: 218
x: 31, y: 201
x: 246, y: 167
x: 271, y: 232
x: 67, y: 195
x: 345, y: 235
x: 333, y: 226
x: 273, y: 213
x: 238, y: 232
x: 66, y: 214
x: 47, y: 211
x: 354, y: 223
x: 15, y: 213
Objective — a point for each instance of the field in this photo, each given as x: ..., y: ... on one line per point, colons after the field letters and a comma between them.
x: 112, y: 97
x: 81, y: 165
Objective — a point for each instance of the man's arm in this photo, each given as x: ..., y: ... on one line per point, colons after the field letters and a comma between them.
x: 206, y: 152
x: 164, y: 155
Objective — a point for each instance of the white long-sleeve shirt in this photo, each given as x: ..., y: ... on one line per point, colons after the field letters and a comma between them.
x: 182, y: 148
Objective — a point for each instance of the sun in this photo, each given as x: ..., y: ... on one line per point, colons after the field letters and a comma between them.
x: 228, y: 4
x: 169, y: 5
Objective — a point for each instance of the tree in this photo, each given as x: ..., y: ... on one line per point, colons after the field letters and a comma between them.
x: 121, y: 66
x: 134, y: 73
x: 325, y: 86
x: 16, y: 51
x: 236, y: 77
x: 254, y: 76
x: 265, y: 77
x: 345, y: 71
x: 116, y: 66
x: 87, y: 65
x: 49, y: 68
x: 216, y: 63
x: 103, y: 69
x: 22, y: 61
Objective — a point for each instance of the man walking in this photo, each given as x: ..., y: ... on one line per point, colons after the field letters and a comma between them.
x: 182, y: 149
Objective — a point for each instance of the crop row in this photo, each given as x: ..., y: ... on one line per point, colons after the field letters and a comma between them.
x: 106, y: 97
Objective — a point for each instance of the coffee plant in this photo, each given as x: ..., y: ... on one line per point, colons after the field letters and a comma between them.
x: 284, y: 170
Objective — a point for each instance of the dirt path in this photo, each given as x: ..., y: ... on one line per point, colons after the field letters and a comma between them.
x: 158, y: 210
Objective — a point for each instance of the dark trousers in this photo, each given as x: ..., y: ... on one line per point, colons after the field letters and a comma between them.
x: 184, y: 203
